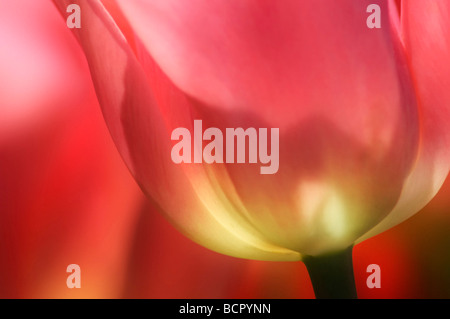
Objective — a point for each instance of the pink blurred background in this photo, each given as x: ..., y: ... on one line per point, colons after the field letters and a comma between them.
x: 66, y: 197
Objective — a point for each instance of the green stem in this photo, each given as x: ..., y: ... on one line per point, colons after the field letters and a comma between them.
x: 332, y: 275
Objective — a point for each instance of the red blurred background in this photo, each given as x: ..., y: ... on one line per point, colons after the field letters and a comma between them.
x: 66, y: 197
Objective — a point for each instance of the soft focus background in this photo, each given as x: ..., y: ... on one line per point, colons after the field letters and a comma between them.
x: 66, y: 197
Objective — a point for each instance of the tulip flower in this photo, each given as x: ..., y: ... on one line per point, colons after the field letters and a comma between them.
x: 361, y: 113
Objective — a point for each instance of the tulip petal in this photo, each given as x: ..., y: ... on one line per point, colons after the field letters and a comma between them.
x: 280, y: 60
x: 132, y: 108
x: 340, y: 93
x: 425, y: 30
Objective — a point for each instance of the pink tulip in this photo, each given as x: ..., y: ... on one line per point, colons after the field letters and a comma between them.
x: 362, y: 113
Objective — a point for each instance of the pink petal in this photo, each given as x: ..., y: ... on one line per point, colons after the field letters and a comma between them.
x: 282, y: 61
x: 340, y: 93
x: 141, y: 114
x: 426, y: 35
x: 366, y: 123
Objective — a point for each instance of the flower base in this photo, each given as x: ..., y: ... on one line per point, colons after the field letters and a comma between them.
x: 332, y: 275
